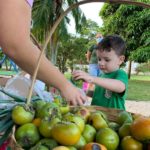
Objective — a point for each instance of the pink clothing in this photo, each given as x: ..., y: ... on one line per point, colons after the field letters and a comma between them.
x: 30, y: 2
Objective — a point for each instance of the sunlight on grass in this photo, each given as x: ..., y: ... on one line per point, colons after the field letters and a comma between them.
x: 139, y: 90
x: 140, y: 77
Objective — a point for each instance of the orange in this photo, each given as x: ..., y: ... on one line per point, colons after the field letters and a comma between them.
x: 140, y: 129
x: 94, y: 146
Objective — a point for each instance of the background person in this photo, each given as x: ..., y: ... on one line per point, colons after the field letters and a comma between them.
x: 92, y: 57
x: 15, y: 22
x: 111, y: 86
x: 93, y: 61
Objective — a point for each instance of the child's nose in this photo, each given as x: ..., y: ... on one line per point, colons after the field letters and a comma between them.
x: 101, y: 63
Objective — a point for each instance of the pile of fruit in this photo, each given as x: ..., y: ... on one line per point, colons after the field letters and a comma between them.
x: 56, y: 126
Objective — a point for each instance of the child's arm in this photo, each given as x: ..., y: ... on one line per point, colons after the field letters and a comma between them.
x: 110, y: 84
x: 15, y: 19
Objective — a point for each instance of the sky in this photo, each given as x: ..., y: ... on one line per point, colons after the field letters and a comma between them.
x: 91, y: 11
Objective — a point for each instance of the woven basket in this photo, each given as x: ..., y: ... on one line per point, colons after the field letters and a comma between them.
x: 111, y: 113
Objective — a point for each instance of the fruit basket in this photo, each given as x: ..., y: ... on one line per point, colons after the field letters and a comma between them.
x: 90, y: 114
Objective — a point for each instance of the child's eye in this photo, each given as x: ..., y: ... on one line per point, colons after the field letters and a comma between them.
x: 107, y: 60
x: 99, y: 59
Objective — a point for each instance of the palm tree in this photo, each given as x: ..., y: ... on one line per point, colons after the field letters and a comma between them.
x: 45, y: 14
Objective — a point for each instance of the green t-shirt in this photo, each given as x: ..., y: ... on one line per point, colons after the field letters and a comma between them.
x: 106, y: 98
x: 93, y: 58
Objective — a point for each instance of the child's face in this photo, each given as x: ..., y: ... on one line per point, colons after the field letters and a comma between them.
x: 109, y: 61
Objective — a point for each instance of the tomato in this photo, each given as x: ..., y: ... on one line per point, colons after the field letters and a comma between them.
x: 123, y: 117
x: 80, y: 143
x: 108, y: 138
x: 66, y: 133
x: 46, y: 126
x: 75, y: 119
x: 97, y: 121
x: 64, y: 109
x: 22, y: 114
x: 113, y: 125
x: 37, y: 106
x: 27, y: 135
x: 94, y: 146
x: 37, y: 121
x: 50, y: 110
x: 140, y: 129
x: 39, y: 147
x: 129, y: 143
x: 124, y: 130
x: 71, y: 147
x: 89, y: 133
x: 84, y: 113
x: 49, y: 143
x: 61, y: 148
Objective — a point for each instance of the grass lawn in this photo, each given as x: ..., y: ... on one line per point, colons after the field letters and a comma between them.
x: 139, y: 90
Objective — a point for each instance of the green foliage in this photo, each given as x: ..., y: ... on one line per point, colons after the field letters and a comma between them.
x: 145, y: 67
x: 71, y: 51
x: 141, y: 55
x: 130, y: 22
x: 45, y: 14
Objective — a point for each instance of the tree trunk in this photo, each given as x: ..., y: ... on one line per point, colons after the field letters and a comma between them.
x: 129, y: 69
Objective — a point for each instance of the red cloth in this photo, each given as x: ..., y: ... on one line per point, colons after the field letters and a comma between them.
x: 4, y: 145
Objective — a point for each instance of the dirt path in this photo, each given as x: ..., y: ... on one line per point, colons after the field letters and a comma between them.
x: 142, y: 107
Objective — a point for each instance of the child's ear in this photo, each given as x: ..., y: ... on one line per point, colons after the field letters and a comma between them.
x: 122, y: 58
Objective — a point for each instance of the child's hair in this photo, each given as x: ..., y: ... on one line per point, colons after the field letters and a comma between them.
x: 113, y: 42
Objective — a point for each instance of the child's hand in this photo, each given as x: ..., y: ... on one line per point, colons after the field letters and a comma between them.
x: 78, y: 74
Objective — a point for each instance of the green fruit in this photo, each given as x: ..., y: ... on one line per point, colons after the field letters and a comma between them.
x: 113, y: 125
x: 71, y: 147
x: 124, y: 117
x: 50, y: 110
x: 46, y: 126
x: 49, y: 143
x: 108, y: 138
x: 97, y: 121
x: 22, y: 114
x: 129, y: 143
x: 64, y: 109
x: 124, y: 130
x: 84, y: 113
x: 37, y: 106
x: 89, y: 133
x: 80, y: 143
x: 66, y: 133
x: 75, y: 119
x: 27, y: 135
x: 39, y: 147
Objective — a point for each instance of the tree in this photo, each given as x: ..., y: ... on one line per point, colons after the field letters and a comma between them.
x: 45, y: 14
x: 71, y: 51
x: 130, y: 22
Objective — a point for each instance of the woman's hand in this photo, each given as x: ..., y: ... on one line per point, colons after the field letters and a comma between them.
x: 73, y: 95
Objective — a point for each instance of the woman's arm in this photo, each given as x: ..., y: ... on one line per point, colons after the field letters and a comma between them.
x: 15, y: 19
